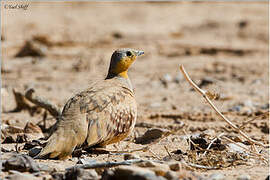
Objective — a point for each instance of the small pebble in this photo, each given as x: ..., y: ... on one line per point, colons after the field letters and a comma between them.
x: 15, y: 175
x: 179, y: 77
x: 167, y: 77
x: 236, y: 108
x: 128, y: 172
x: 266, y: 106
x: 243, y: 177
x: 234, y: 148
x: 174, y: 166
x: 170, y: 175
x: 155, y: 105
x: 131, y: 156
x: 216, y: 176
x: 248, y: 103
x: 34, y: 151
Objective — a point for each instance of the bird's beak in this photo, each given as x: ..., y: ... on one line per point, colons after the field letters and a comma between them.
x: 139, y: 53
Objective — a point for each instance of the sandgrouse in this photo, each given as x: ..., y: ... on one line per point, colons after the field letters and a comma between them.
x: 103, y: 114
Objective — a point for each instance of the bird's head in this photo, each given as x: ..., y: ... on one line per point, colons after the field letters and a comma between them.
x: 121, y: 60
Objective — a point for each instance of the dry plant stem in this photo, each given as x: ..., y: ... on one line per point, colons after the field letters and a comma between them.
x: 251, y: 152
x: 200, y: 166
x: 247, y: 122
x: 209, y: 146
x: 107, y: 164
x: 30, y: 95
x: 156, y: 156
x: 21, y: 103
x: 203, y: 93
x: 131, y: 151
x: 168, y: 151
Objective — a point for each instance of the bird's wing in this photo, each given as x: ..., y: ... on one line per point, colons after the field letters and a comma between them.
x: 111, y: 114
x: 102, y: 114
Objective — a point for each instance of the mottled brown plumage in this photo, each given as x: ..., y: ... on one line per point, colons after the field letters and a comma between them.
x: 103, y: 114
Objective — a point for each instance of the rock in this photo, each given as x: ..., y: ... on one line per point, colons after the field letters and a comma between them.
x: 117, y: 35
x: 32, y: 128
x: 86, y: 161
x: 178, y: 78
x: 265, y: 128
x: 151, y: 135
x: 107, y: 174
x: 242, y: 24
x: 158, y: 168
x: 174, y: 166
x: 34, y: 143
x: 22, y: 163
x: 46, y: 168
x: 15, y: 175
x: 58, y: 176
x: 243, y: 177
x: 80, y: 174
x: 134, y: 173
x: 235, y: 148
x: 166, y: 79
x: 155, y: 105
x: 131, y: 156
x: 32, y: 48
x: 34, y: 151
x: 265, y: 106
x: 236, y: 108
x: 206, y: 81
x: 170, y: 175
x: 147, y: 164
x: 161, y: 169
x: 216, y: 176
x: 248, y: 103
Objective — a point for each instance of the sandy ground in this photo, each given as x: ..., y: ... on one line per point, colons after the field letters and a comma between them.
x: 224, y: 42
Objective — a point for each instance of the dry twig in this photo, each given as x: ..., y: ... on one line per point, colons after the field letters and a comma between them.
x: 249, y: 121
x: 107, y: 164
x: 204, y: 94
x: 40, y: 102
x: 168, y: 151
x: 209, y: 146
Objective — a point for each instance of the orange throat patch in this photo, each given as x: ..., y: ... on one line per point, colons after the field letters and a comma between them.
x: 123, y: 74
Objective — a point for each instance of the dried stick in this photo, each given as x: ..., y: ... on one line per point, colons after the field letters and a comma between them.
x: 249, y: 121
x: 168, y: 151
x: 130, y: 151
x: 204, y: 94
x: 251, y: 152
x: 201, y: 166
x: 21, y: 102
x: 209, y: 146
x: 53, y: 110
x: 156, y: 156
x: 107, y: 164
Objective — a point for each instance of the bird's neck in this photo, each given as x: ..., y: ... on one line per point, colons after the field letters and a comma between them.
x: 122, y: 77
x: 121, y: 74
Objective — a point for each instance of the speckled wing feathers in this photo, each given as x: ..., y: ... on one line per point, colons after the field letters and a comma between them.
x: 111, y: 115
x: 103, y: 114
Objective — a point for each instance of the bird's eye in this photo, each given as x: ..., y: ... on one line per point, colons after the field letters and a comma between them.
x: 129, y: 53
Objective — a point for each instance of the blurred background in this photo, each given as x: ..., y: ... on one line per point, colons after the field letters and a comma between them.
x: 72, y: 43
x: 60, y: 47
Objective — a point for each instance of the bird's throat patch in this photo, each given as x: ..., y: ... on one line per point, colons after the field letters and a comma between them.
x: 124, y: 74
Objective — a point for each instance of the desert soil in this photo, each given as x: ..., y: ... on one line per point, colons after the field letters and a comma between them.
x: 223, y: 46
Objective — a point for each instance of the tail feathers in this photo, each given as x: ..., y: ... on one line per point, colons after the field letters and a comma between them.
x: 59, y: 146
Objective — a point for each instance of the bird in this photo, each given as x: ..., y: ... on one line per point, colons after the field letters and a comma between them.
x: 102, y: 114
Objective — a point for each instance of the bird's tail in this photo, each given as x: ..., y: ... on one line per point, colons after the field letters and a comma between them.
x: 60, y: 145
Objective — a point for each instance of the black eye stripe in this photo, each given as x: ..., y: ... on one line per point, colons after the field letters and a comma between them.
x: 128, y: 53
